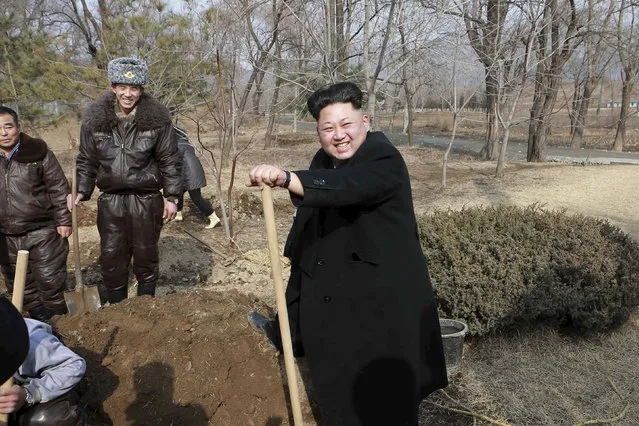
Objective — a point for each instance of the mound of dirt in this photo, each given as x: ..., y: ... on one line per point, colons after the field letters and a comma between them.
x: 181, y: 359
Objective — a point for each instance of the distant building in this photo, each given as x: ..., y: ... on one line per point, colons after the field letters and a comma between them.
x: 617, y: 104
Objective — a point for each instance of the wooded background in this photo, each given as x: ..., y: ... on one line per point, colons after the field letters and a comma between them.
x: 519, y: 62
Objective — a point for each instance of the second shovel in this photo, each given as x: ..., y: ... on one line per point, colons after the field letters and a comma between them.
x: 80, y: 299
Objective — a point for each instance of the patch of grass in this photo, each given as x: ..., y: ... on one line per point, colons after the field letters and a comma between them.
x: 547, y: 378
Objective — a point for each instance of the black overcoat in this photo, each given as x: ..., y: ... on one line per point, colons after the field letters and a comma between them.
x: 360, y: 300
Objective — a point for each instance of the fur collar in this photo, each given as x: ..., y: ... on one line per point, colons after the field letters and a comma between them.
x: 100, y: 115
x: 30, y: 150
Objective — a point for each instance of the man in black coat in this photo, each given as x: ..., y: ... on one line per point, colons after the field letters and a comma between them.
x: 360, y: 300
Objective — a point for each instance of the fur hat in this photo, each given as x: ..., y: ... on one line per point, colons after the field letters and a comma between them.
x: 14, y: 339
x: 131, y: 71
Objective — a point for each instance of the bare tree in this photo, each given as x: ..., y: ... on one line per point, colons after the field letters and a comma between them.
x: 597, y: 57
x: 371, y: 78
x: 513, y: 73
x: 553, y: 46
x: 485, y: 25
x: 628, y: 50
x: 454, y: 106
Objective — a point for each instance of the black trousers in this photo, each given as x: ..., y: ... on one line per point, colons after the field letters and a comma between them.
x: 203, y: 205
x: 62, y: 411
x: 46, y: 270
x: 129, y: 225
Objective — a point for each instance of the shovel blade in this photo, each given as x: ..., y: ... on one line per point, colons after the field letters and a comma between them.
x: 74, y: 301
x: 92, y: 298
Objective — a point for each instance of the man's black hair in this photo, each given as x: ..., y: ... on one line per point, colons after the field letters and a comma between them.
x: 345, y: 92
x: 9, y: 111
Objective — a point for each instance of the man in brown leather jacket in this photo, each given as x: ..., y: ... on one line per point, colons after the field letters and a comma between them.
x: 33, y: 217
x: 129, y: 150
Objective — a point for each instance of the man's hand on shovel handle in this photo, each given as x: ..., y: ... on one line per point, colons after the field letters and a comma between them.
x: 71, y: 204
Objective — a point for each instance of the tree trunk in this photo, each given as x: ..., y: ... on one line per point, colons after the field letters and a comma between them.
x: 554, y: 50
x: 501, y: 161
x: 489, y: 151
x: 580, y: 115
x: 257, y: 94
x: 268, y: 139
x: 340, y: 45
x: 409, y: 114
x: 626, y: 90
x: 540, y: 114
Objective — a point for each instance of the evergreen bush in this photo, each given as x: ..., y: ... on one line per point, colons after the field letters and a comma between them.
x: 497, y: 268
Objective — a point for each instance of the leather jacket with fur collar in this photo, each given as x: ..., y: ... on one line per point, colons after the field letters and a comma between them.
x: 33, y: 190
x: 119, y: 157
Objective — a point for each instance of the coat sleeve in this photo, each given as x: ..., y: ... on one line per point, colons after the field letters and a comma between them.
x: 368, y: 181
x: 169, y: 161
x: 87, y: 163
x: 58, y: 188
x: 51, y: 369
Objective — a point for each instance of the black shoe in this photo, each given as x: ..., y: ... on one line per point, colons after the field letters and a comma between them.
x: 45, y: 314
x: 270, y: 328
x: 41, y: 314
x: 146, y: 289
x: 116, y: 296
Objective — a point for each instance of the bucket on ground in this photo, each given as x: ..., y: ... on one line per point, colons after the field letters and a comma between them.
x: 453, y: 333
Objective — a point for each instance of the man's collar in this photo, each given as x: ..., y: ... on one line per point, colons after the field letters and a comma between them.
x: 129, y: 117
x: 13, y: 151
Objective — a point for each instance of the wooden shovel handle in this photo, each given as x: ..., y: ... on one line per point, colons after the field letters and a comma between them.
x: 17, y: 300
x: 285, y: 329
x: 75, y: 230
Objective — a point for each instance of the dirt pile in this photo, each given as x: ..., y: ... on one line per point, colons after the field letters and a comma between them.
x: 181, y: 359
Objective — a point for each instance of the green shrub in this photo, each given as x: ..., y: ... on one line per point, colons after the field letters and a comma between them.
x: 497, y: 268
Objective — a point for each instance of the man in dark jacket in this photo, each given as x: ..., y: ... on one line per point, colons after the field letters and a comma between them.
x: 129, y: 150
x: 33, y: 217
x: 360, y: 300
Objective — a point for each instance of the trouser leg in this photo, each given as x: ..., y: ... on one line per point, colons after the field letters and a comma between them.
x: 146, y: 224
x: 46, y: 269
x: 48, y: 261
x: 180, y: 202
x: 202, y: 204
x: 115, y: 248
x: 11, y: 244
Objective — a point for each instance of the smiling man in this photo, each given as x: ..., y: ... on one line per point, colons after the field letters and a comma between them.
x: 360, y: 300
x: 128, y: 148
x: 33, y: 217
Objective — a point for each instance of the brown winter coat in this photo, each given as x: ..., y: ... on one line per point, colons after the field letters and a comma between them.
x: 360, y: 299
x: 142, y: 158
x: 33, y: 190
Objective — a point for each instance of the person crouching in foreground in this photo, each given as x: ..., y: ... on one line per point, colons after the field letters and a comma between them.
x: 360, y: 299
x: 43, y: 393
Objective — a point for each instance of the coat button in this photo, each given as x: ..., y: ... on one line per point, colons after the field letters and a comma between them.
x: 327, y: 299
x: 321, y: 262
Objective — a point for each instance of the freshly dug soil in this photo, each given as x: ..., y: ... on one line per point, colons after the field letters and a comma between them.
x: 180, y: 359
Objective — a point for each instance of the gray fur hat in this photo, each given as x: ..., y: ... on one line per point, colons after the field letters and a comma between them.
x: 131, y: 71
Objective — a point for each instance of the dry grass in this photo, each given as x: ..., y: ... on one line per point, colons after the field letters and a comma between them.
x: 542, y: 377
